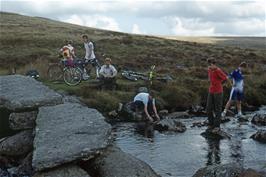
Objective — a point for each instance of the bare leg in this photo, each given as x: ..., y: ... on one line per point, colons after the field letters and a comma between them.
x: 227, y: 106
x: 238, y: 105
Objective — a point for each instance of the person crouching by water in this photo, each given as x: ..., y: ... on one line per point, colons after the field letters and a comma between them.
x: 143, y: 102
x: 215, y: 96
x: 108, y: 75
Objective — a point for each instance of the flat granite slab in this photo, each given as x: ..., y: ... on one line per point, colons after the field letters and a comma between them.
x: 19, y: 92
x: 68, y: 132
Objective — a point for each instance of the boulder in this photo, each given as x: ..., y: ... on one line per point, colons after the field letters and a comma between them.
x: 21, y: 92
x: 216, y: 134
x: 23, y: 120
x: 116, y: 163
x: 66, y: 133
x: 259, y: 119
x: 64, y: 171
x: 25, y: 168
x: 19, y: 144
x: 127, y: 114
x: 178, y: 115
x: 225, y: 170
x: 170, y: 125
x: 259, y: 136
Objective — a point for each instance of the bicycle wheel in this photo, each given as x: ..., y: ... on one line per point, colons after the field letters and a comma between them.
x: 55, y: 72
x: 72, y: 76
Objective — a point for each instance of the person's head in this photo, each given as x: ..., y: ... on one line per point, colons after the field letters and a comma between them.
x: 211, y: 62
x: 243, y: 65
x: 107, y: 61
x: 85, y: 38
x: 69, y: 42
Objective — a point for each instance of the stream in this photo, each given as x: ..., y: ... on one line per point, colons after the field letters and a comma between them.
x: 182, y: 154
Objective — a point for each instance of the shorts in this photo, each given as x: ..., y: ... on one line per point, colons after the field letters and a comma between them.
x: 236, y: 94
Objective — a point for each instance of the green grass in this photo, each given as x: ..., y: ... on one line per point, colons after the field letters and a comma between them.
x: 32, y: 42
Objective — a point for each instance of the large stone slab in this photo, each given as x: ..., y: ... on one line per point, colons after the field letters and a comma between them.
x: 65, y: 171
x: 66, y: 133
x: 20, y: 92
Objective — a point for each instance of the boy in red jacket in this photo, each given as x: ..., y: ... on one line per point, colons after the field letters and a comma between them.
x: 215, y: 96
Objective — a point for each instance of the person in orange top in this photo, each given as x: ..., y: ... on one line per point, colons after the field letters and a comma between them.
x: 215, y: 96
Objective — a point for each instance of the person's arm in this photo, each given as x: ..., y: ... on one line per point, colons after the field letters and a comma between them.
x: 114, y: 71
x: 222, y: 75
x: 101, y: 72
x: 90, y: 45
x: 147, y: 113
x: 155, y: 110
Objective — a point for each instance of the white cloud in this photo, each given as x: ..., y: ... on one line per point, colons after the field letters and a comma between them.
x: 96, y: 21
x: 136, y: 30
x: 189, y: 27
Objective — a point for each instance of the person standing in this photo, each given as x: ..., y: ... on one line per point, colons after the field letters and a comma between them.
x: 237, y: 91
x: 90, y: 55
x: 215, y: 95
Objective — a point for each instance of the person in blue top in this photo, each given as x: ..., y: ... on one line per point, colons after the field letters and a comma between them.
x: 237, y: 91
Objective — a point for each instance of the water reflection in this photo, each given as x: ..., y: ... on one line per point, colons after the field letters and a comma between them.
x: 213, y: 154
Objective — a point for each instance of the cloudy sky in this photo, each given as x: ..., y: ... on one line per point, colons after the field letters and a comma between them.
x: 184, y: 18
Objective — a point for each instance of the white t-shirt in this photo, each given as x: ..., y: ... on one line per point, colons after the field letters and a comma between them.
x: 143, y: 97
x: 89, y: 50
x: 108, y: 71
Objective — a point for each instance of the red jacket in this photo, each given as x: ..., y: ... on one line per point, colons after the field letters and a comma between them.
x: 216, y: 77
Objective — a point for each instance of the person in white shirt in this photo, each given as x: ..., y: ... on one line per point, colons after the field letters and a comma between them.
x: 108, y: 74
x: 144, y: 101
x: 90, y: 55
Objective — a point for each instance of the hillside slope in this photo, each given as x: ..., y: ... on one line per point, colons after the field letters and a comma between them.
x: 25, y: 40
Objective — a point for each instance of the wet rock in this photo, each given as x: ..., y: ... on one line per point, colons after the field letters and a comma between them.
x: 178, y: 115
x: 68, y: 132
x: 170, y: 125
x: 116, y: 163
x: 64, y: 171
x: 21, y: 92
x: 226, y: 170
x: 200, y: 124
x: 259, y: 119
x: 4, y: 173
x: 259, y: 136
x: 197, y: 111
x: 23, y: 120
x: 243, y: 119
x: 163, y: 113
x: 216, y: 134
x: 225, y: 119
x: 19, y: 144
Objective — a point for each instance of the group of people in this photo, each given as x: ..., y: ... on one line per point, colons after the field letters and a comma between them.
x: 146, y: 103
x: 105, y: 73
x: 215, y: 97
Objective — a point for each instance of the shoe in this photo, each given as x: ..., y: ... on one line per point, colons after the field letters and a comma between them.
x: 239, y: 114
x: 85, y: 76
x: 223, y: 114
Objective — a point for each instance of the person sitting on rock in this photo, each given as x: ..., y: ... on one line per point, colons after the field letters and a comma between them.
x: 108, y: 74
x: 237, y: 91
x: 215, y: 96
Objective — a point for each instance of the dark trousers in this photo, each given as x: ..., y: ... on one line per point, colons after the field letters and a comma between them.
x: 214, y: 108
x: 108, y: 83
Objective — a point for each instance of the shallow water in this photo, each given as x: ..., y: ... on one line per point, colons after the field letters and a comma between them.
x: 182, y: 154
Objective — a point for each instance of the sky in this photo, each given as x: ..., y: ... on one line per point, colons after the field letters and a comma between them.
x: 181, y: 18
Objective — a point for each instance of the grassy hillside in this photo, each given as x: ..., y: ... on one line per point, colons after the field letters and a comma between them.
x: 33, y: 42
